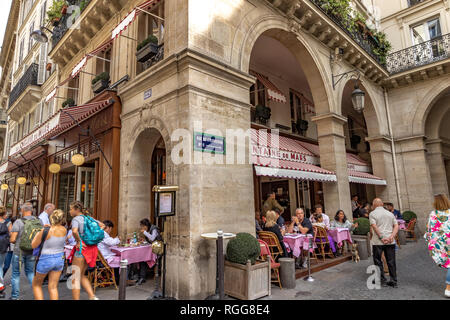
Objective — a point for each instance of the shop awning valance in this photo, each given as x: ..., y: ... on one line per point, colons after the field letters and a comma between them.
x: 273, y: 92
x: 365, y: 178
x: 17, y: 161
x: 60, y: 122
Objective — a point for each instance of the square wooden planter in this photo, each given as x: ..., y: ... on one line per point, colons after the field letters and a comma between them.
x: 247, y: 282
x: 147, y: 52
x: 100, y: 85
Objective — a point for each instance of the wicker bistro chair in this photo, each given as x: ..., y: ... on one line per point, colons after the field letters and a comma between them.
x: 410, y: 229
x: 102, y: 275
x: 274, y: 266
x: 271, y: 240
x: 321, y: 240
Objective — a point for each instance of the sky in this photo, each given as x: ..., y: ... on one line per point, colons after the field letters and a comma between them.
x: 4, y: 13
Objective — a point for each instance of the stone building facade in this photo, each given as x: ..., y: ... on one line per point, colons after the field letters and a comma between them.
x: 217, y: 61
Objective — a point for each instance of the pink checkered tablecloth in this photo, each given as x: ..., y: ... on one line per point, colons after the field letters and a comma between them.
x: 133, y: 255
x: 401, y: 224
x: 340, y: 235
x: 297, y: 242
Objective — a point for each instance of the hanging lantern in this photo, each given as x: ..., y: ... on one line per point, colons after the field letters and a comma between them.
x: 77, y: 159
x: 21, y: 180
x: 54, y: 168
x: 4, y: 186
x: 358, y: 99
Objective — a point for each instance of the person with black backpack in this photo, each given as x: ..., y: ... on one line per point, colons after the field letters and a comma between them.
x: 22, y: 233
x: 5, y: 229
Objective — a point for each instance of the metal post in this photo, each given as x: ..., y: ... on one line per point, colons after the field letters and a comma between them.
x: 220, y: 263
x: 310, y: 245
x: 123, y: 279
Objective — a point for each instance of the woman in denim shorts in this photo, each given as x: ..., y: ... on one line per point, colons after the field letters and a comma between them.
x: 52, y: 258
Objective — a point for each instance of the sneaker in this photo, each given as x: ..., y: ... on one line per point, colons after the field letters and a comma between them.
x: 305, y: 264
x: 140, y: 282
x: 383, y: 282
x: 94, y: 298
x: 392, y: 284
x: 447, y: 293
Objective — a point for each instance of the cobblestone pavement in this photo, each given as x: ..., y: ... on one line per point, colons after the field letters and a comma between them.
x: 418, y: 278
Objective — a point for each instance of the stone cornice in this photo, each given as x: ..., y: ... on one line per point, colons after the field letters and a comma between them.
x: 331, y: 115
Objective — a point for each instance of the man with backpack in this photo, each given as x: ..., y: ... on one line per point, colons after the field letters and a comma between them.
x: 22, y: 234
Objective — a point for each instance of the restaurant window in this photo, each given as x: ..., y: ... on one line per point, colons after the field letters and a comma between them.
x: 101, y: 65
x: 86, y: 187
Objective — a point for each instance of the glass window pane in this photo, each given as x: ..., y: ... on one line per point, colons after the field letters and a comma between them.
x: 419, y: 34
x: 434, y: 28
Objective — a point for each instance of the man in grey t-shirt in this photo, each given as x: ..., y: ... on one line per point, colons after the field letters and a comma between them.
x: 385, y: 228
x: 27, y: 258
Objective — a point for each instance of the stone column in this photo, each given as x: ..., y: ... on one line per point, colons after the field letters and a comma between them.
x: 383, y: 167
x: 330, y: 130
x: 415, y: 176
x: 436, y: 166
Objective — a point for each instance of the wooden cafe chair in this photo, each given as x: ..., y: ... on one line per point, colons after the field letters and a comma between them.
x: 274, y: 266
x: 102, y: 275
x: 321, y: 240
x: 410, y: 229
x: 271, y: 240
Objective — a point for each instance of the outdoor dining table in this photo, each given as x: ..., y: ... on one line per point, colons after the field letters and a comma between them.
x: 340, y: 235
x: 296, y: 242
x: 136, y: 254
x: 401, y: 224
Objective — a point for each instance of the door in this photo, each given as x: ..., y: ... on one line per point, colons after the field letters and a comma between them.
x: 66, y: 192
x: 86, y: 187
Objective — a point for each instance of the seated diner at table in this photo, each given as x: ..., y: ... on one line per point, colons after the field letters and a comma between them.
x: 318, y: 209
x: 395, y: 212
x: 300, y: 224
x: 272, y: 226
x: 319, y: 223
x: 341, y: 221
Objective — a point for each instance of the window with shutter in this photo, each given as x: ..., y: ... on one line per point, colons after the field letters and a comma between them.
x: 21, y: 52
x: 38, y: 114
x: 42, y: 63
x: 31, y: 41
x: 43, y: 12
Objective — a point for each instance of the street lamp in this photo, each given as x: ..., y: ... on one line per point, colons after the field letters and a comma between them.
x: 4, y: 186
x: 77, y: 159
x: 54, y: 168
x: 21, y: 180
x: 40, y: 36
x: 358, y: 98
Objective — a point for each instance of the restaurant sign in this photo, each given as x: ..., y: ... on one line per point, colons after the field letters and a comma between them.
x: 205, y: 142
x: 275, y: 153
x: 36, y: 135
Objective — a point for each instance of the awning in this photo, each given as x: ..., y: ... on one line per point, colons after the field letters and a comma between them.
x: 365, y: 178
x: 281, y: 157
x: 272, y: 91
x: 60, y: 122
x: 18, y: 160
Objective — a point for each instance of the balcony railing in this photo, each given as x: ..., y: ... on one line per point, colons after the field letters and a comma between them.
x: 414, y: 2
x: 29, y: 78
x: 419, y: 55
x: 60, y: 30
x: 367, y: 43
x: 158, y: 57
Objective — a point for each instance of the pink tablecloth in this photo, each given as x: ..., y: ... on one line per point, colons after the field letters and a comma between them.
x: 339, y: 235
x: 296, y: 243
x: 401, y: 224
x: 133, y: 255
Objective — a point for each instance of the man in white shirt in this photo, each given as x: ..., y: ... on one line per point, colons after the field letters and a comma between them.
x: 44, y: 216
x: 326, y: 219
x: 108, y: 242
x: 384, y: 228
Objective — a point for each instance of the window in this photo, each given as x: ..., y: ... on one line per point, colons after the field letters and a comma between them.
x: 297, y: 112
x: 414, y: 2
x: 43, y: 12
x: 101, y: 63
x: 21, y: 52
x: 31, y: 41
x: 428, y: 35
x: 73, y: 85
x: 426, y: 31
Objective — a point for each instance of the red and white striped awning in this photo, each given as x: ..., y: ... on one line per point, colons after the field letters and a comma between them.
x: 277, y: 156
x: 273, y: 92
x: 365, y: 178
x: 59, y: 123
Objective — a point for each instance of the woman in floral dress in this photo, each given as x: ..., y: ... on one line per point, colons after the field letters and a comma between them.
x: 438, y: 235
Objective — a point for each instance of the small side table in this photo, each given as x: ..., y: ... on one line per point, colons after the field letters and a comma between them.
x: 219, y: 236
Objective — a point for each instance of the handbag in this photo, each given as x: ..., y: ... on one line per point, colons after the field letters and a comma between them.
x: 39, y: 249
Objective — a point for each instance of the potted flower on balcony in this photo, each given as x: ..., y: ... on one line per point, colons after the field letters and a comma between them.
x: 147, y: 49
x: 55, y: 12
x: 262, y: 113
x: 245, y: 277
x: 68, y: 103
x: 100, y: 82
x: 49, y: 66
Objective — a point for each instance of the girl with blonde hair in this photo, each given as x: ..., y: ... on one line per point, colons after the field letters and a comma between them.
x: 438, y: 235
x: 51, y: 258
x: 272, y: 226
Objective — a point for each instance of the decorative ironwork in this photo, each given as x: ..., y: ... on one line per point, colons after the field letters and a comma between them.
x: 60, y: 30
x: 419, y: 55
x: 29, y: 78
x: 158, y: 57
x: 366, y: 42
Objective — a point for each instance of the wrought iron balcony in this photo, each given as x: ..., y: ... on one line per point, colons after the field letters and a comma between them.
x: 158, y: 57
x: 419, y: 55
x: 60, y: 30
x: 367, y: 43
x: 29, y: 78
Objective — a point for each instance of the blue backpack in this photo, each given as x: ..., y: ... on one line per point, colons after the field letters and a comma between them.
x: 92, y: 233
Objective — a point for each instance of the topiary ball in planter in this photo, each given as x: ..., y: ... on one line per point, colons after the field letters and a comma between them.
x: 408, y: 215
x: 363, y: 226
x: 242, y: 248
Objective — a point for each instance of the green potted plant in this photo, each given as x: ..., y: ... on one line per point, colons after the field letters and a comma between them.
x: 54, y: 13
x: 68, y: 103
x: 100, y: 82
x: 363, y: 227
x: 408, y: 216
x: 262, y: 113
x: 245, y: 277
x: 147, y: 49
